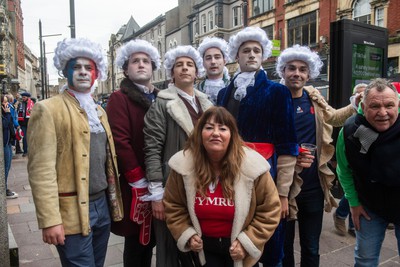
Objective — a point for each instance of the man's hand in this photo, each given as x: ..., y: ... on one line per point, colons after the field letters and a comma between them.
x: 158, y: 210
x: 54, y: 235
x: 237, y: 251
x: 305, y: 159
x: 356, y: 213
x: 284, y: 206
x: 195, y: 243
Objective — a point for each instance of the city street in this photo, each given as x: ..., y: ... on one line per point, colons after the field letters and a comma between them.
x: 335, y: 250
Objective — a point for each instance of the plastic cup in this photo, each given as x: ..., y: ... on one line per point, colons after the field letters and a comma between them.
x: 310, y: 147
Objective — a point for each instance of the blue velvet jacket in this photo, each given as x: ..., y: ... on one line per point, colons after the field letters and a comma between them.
x: 266, y: 115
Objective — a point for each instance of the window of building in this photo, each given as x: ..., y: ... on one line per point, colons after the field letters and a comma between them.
x: 210, y: 20
x: 262, y: 6
x: 393, y: 67
x: 152, y: 34
x: 379, y: 17
x: 159, y: 30
x: 159, y: 49
x: 270, y: 31
x: 302, y: 30
x: 362, y: 11
x: 237, y: 16
x: 203, y: 24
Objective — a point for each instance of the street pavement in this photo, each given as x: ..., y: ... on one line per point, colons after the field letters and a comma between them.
x: 335, y: 250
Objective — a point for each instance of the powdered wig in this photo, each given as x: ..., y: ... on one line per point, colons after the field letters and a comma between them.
x: 183, y: 51
x: 210, y: 42
x: 231, y: 162
x: 302, y: 53
x: 71, y: 48
x: 137, y: 46
x: 250, y: 34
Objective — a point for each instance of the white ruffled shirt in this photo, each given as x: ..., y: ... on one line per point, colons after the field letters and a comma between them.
x: 212, y: 88
x: 242, y: 81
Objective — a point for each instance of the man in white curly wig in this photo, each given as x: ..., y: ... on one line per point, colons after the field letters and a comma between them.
x: 296, y: 65
x: 72, y: 161
x: 168, y: 123
x: 264, y: 113
x: 215, y: 54
x: 138, y: 59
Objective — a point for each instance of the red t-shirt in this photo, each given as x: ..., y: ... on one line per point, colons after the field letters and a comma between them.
x: 215, y: 213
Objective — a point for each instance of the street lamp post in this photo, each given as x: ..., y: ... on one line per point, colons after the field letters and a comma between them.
x: 72, y: 17
x: 43, y: 62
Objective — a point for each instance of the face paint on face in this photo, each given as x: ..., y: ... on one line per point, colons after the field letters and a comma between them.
x: 81, y: 74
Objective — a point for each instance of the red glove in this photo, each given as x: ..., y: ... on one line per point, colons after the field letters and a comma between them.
x: 141, y: 213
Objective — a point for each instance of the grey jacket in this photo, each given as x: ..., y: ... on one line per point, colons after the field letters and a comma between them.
x: 167, y: 125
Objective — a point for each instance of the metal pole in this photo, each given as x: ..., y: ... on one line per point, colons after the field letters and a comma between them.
x: 45, y: 69
x: 72, y: 17
x: 41, y: 58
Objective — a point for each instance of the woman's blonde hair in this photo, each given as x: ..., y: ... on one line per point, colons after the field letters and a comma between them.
x: 230, y: 163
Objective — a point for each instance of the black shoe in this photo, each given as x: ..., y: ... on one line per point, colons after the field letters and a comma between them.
x: 10, y: 194
x: 25, y: 155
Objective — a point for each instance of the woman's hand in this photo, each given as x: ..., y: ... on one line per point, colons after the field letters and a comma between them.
x: 195, y: 243
x: 5, y: 108
x: 237, y: 251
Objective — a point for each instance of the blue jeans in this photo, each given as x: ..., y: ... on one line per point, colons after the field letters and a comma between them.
x: 370, y: 238
x: 24, y: 140
x: 343, y: 211
x: 309, y: 217
x: 89, y: 251
x: 7, y: 160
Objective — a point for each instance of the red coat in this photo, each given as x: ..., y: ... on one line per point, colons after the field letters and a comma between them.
x: 126, y: 109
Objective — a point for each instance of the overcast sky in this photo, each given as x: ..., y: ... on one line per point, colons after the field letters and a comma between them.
x: 94, y: 19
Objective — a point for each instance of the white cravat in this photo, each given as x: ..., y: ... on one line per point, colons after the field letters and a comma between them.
x: 87, y: 103
x: 212, y: 87
x: 144, y: 89
x: 242, y: 81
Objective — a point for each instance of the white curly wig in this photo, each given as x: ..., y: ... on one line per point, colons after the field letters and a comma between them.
x: 136, y: 46
x: 71, y: 48
x: 216, y: 42
x: 183, y: 51
x: 250, y: 34
x: 302, y: 53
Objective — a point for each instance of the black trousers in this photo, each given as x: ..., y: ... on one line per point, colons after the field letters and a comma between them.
x: 216, y: 251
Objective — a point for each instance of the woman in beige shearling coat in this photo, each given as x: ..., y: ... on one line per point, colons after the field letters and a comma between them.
x: 249, y: 187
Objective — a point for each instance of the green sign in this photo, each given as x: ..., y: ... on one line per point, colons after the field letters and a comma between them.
x: 276, y: 48
x: 367, y: 63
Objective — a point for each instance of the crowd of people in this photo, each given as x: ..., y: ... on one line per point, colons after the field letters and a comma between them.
x: 211, y: 173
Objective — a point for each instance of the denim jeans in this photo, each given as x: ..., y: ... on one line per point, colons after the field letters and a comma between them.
x: 309, y: 217
x: 89, y: 251
x: 343, y: 211
x: 7, y: 160
x: 369, y: 240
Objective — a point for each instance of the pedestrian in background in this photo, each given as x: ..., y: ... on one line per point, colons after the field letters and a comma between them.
x: 8, y: 140
x: 72, y: 165
x: 24, y: 113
